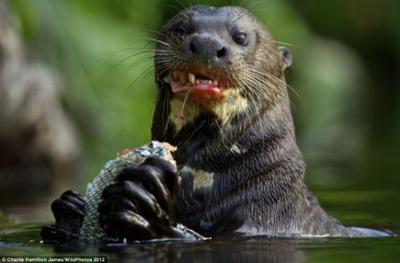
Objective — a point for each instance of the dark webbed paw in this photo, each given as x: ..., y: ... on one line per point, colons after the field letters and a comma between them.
x: 140, y: 205
x: 68, y: 210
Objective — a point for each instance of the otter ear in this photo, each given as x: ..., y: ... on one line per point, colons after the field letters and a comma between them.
x: 286, y: 57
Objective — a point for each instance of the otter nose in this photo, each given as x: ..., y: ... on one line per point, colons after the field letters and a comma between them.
x: 207, y: 46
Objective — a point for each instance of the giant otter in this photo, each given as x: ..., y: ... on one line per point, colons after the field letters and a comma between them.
x: 222, y: 100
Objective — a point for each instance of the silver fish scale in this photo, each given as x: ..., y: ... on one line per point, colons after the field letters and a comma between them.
x: 91, y: 229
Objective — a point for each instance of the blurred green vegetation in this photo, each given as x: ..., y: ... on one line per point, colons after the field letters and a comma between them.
x: 346, y: 72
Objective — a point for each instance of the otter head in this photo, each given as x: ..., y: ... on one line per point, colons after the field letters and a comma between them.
x: 218, y: 61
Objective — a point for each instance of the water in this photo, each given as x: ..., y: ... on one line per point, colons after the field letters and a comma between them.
x: 374, y: 209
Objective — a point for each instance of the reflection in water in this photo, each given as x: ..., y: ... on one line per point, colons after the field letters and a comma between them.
x: 229, y: 250
x: 239, y: 250
x: 23, y: 240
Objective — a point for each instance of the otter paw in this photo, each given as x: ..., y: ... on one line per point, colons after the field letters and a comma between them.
x: 69, y: 211
x: 140, y: 205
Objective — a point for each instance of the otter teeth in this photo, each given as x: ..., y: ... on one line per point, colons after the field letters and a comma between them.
x: 192, y: 78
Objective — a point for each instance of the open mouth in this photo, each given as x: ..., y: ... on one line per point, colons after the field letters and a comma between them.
x: 199, y: 87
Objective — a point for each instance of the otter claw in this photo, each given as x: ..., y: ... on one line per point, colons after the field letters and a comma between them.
x: 62, y: 209
x: 140, y: 205
x: 72, y: 193
x: 149, y: 177
x: 158, y: 177
x: 169, y: 172
x: 69, y: 211
x: 74, y: 198
x: 116, y: 203
x: 129, y: 225
x: 143, y: 200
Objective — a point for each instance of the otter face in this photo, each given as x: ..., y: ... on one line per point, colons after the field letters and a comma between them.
x: 219, y: 60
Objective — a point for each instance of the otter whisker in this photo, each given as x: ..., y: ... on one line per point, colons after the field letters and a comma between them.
x: 165, y: 112
x: 136, y: 56
x: 247, y: 115
x: 141, y: 77
x: 285, y: 43
x: 279, y: 42
x: 276, y: 79
x: 182, y: 6
x: 252, y: 114
x: 252, y: 85
x: 158, y: 41
x: 157, y: 33
x: 129, y: 51
x: 252, y: 96
x: 198, y: 127
x: 138, y: 63
x: 253, y: 5
x: 221, y: 132
x: 174, y: 7
x: 181, y: 116
x: 124, y: 59
x: 285, y: 84
x: 162, y: 70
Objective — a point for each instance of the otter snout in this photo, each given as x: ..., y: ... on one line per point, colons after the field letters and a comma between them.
x: 207, y: 46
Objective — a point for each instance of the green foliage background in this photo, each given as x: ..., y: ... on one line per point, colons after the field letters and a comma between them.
x: 345, y: 72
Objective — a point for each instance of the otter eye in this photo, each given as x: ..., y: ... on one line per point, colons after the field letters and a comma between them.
x: 240, y: 38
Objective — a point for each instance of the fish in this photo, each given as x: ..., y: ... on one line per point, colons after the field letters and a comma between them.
x: 91, y: 229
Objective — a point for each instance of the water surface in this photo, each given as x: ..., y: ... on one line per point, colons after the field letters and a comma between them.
x: 374, y: 209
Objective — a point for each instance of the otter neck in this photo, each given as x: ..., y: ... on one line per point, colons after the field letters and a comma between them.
x: 208, y: 146
x: 211, y: 169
